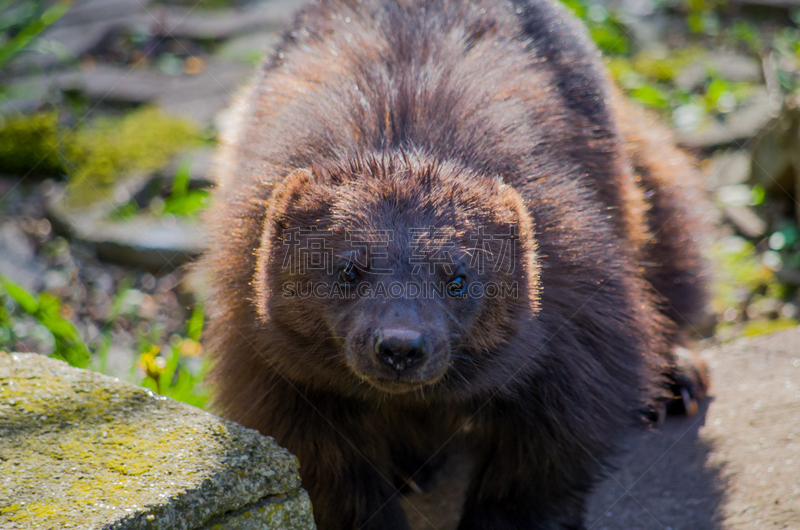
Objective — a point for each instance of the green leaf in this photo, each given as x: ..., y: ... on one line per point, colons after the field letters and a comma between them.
x: 650, y: 95
x: 165, y: 379
x: 49, y: 305
x: 609, y: 38
x: 21, y: 39
x: 76, y: 355
x: 69, y: 345
x: 695, y: 22
x: 195, y: 325
x: 26, y: 300
x: 577, y: 7
x: 192, y: 202
x: 180, y: 183
x: 714, y: 91
x: 758, y: 194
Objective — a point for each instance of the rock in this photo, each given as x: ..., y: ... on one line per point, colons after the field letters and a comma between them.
x: 220, y: 24
x: 735, y: 195
x: 201, y: 96
x: 117, y: 84
x: 746, y: 221
x: 735, y: 200
x: 84, y: 12
x: 79, y: 449
x: 18, y: 256
x: 729, y: 168
x: 154, y: 244
x: 732, y: 66
x: 198, y: 97
x: 201, y: 162
x: 776, y: 155
x: 692, y: 77
x: 728, y: 65
x: 735, y: 128
x: 733, y: 465
x: 249, y: 48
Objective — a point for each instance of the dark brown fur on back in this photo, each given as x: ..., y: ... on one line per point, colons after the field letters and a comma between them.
x: 395, y: 115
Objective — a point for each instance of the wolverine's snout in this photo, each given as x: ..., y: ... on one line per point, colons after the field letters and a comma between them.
x: 399, y: 349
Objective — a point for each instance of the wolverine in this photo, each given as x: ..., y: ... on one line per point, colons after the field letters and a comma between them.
x: 437, y: 222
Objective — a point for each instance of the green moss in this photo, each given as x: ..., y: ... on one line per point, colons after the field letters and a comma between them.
x: 762, y: 326
x: 142, y: 141
x: 94, y: 155
x: 666, y: 68
x: 30, y: 144
x: 738, y: 273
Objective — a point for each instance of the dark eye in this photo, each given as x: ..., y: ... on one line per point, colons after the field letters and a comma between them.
x: 347, y: 276
x: 457, y: 286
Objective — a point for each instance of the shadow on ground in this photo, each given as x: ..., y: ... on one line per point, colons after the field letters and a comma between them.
x: 662, y: 479
x: 733, y: 465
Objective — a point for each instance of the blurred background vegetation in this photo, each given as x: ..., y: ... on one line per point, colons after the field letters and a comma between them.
x: 110, y: 110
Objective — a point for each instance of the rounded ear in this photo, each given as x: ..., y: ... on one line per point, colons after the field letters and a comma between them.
x: 526, y: 249
x: 299, y: 201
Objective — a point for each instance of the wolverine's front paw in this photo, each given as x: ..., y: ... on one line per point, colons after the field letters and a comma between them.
x: 689, y: 383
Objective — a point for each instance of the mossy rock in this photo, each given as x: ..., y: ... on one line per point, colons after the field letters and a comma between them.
x: 96, y: 155
x: 30, y: 144
x: 80, y: 449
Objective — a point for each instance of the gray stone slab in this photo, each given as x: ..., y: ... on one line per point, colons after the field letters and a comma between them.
x: 729, y: 168
x: 199, y: 97
x: 154, y: 244
x: 736, y: 464
x: 746, y: 220
x: 84, y: 12
x: 737, y: 127
x: 201, y: 166
x: 18, y: 258
x: 249, y: 48
x: 222, y: 24
x: 82, y: 450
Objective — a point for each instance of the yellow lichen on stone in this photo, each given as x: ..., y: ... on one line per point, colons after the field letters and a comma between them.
x: 36, y: 511
x: 86, y: 449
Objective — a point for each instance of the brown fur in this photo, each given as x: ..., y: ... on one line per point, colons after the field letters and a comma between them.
x: 473, y: 116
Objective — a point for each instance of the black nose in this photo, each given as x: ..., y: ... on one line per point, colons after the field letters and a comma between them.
x: 399, y: 349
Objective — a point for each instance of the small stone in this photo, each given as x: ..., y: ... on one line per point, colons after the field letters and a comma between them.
x: 735, y: 67
x: 729, y: 168
x: 735, y: 128
x: 248, y: 48
x: 142, y: 241
x: 746, y: 221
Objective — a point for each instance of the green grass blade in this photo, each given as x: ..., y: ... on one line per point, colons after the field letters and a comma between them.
x: 21, y: 39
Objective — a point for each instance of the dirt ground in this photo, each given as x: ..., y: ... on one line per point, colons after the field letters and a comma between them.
x: 736, y: 464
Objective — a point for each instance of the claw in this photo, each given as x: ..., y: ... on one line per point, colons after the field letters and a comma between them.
x: 414, y: 486
x: 689, y: 403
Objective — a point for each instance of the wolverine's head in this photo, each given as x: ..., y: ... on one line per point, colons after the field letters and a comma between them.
x: 411, y: 271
